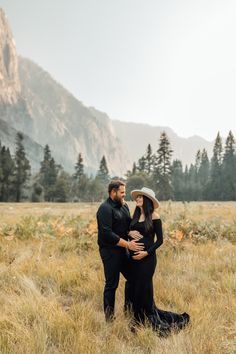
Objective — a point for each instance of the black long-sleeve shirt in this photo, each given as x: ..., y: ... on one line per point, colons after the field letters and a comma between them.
x: 113, y: 223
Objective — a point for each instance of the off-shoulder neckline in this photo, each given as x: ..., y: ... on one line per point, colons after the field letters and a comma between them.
x: 152, y: 220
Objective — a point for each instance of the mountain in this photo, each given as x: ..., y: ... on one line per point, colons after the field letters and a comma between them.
x: 14, y: 114
x: 33, y: 102
x: 136, y: 137
x: 9, y: 79
x: 69, y: 127
x: 13, y: 108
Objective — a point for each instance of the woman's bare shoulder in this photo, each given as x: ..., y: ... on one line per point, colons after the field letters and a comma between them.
x: 155, y: 216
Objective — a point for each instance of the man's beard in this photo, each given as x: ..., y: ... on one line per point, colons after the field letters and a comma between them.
x: 119, y: 200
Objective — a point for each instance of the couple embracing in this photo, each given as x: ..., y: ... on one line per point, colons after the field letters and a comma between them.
x: 128, y: 246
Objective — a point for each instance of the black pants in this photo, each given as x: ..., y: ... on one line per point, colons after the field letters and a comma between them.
x: 115, y: 261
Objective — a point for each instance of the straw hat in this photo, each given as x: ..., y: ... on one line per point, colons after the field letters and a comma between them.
x: 148, y: 193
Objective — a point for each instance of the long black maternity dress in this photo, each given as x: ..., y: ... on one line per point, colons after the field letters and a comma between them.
x: 141, y: 274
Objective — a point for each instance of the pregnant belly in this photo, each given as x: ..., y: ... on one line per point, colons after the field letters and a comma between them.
x: 146, y: 243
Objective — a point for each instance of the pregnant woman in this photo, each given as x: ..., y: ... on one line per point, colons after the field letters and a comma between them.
x: 146, y: 222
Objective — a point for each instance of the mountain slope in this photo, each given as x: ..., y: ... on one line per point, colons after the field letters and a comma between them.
x: 63, y: 122
x: 136, y: 137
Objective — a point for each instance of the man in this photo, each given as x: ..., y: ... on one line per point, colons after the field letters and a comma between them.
x: 113, y: 218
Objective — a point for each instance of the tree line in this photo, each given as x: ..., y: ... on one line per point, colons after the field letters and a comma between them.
x: 206, y: 179
x: 51, y: 183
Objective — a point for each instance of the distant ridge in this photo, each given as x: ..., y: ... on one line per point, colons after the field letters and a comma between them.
x: 136, y: 137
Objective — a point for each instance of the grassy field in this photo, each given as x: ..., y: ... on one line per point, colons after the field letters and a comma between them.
x: 51, y: 281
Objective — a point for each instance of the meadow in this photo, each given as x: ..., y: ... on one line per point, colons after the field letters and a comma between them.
x: 51, y: 281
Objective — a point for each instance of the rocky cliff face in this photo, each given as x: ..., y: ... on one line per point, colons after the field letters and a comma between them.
x: 13, y: 108
x: 63, y: 122
x: 14, y: 114
x: 32, y: 102
x: 9, y: 79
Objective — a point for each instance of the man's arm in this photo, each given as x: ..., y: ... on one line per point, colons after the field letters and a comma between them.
x: 104, y: 219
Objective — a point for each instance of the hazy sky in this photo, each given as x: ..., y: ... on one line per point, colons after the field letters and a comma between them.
x: 169, y: 62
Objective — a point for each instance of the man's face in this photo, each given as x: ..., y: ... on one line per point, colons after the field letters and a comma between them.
x: 119, y: 195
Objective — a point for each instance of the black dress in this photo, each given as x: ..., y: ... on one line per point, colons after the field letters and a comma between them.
x: 141, y: 274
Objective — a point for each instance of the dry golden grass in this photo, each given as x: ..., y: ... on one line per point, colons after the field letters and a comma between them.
x: 51, y: 282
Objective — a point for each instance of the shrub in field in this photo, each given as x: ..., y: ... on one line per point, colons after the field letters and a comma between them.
x: 44, y: 226
x: 183, y: 227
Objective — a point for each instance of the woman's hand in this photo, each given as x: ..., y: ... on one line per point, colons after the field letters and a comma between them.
x: 135, y: 234
x: 140, y: 255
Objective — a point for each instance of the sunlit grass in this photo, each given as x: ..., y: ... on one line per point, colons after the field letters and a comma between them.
x: 51, y: 281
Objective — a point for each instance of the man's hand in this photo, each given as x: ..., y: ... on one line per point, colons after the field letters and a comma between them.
x: 135, y: 234
x: 134, y: 246
x: 140, y: 255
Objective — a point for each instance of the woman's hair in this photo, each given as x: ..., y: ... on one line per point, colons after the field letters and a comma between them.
x: 148, y: 209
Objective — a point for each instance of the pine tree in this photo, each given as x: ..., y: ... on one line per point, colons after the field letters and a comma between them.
x: 48, y: 174
x: 195, y: 184
x: 22, y: 167
x: 103, y: 172
x: 149, y: 160
x: 215, y: 184
x: 134, y: 169
x: 79, y: 168
x: 177, y: 180
x: 142, y: 164
x: 7, y: 169
x: 46, y: 161
x: 132, y: 172
x: 162, y: 170
x: 81, y: 181
x: 193, y: 191
x: 186, y: 184
x: 62, y: 187
x: 229, y: 169
x: 198, y: 161
x: 145, y: 163
x: 204, y: 174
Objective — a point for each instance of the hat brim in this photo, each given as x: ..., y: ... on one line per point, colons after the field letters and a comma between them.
x: 137, y: 192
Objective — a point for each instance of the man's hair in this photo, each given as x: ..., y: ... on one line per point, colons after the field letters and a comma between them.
x: 115, y: 184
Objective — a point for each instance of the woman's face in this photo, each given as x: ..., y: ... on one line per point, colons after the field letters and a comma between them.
x: 139, y: 201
